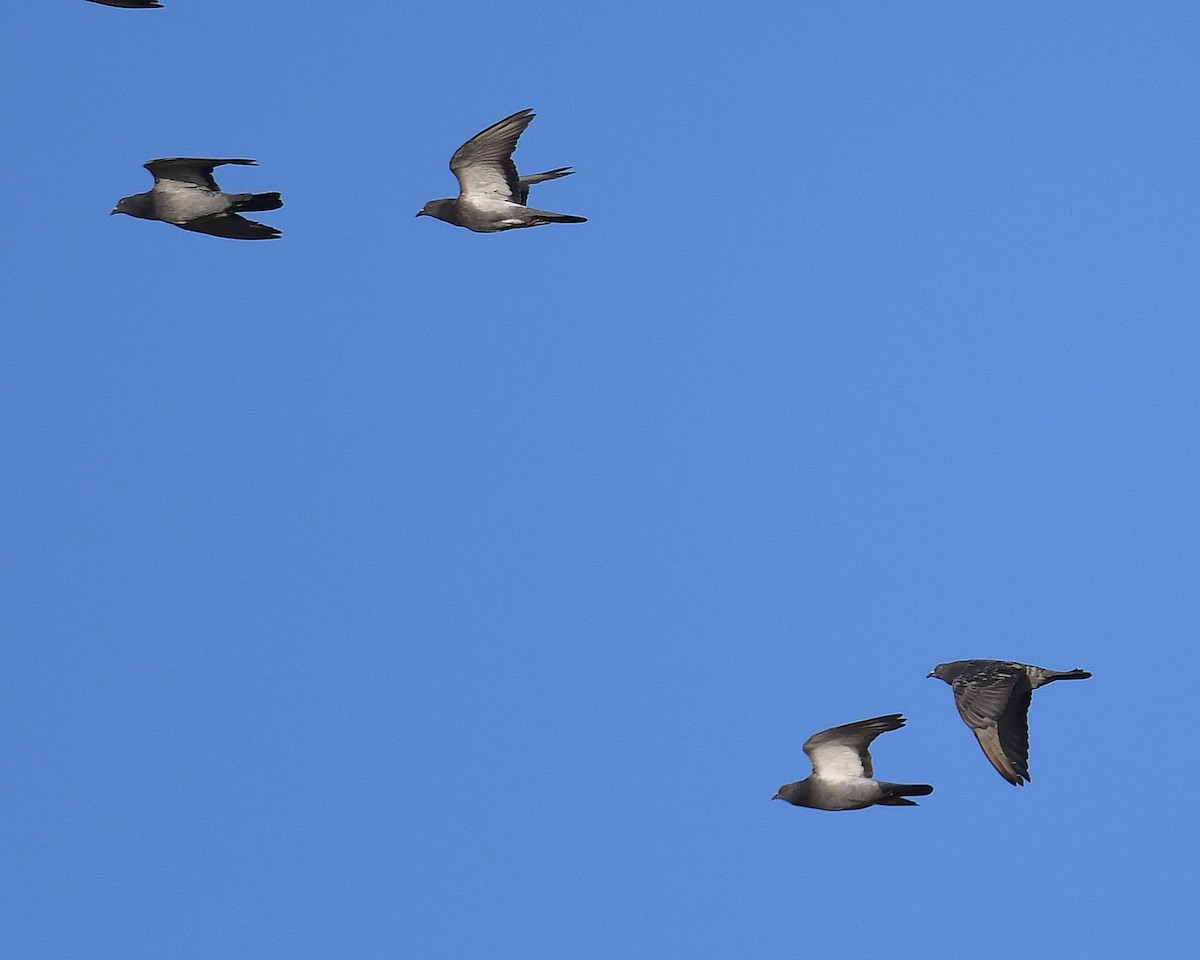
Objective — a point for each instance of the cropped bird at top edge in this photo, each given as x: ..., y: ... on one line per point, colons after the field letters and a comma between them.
x: 993, y: 698
x: 186, y: 195
x: 130, y: 4
x: 842, y: 777
x: 492, y: 194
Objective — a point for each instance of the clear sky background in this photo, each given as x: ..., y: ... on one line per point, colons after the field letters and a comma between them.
x: 393, y: 591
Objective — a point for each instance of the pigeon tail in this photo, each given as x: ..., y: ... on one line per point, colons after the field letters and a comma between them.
x: 1040, y: 676
x: 896, y: 792
x: 546, y: 216
x: 1075, y: 674
x: 260, y: 201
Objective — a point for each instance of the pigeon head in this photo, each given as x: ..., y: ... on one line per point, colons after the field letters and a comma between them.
x: 946, y: 671
x: 439, y: 209
x: 792, y: 792
x: 139, y: 205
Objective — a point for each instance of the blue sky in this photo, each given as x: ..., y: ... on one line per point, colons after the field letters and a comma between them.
x: 394, y: 591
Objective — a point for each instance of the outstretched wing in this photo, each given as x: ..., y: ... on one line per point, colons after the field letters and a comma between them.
x: 539, y: 178
x: 196, y: 171
x: 232, y: 226
x: 994, y: 702
x: 843, y: 752
x: 484, y: 165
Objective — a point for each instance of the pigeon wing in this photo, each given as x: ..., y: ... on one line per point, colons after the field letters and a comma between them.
x: 232, y: 226
x: 191, y: 170
x: 484, y: 165
x: 539, y: 178
x: 994, y: 703
x: 843, y: 752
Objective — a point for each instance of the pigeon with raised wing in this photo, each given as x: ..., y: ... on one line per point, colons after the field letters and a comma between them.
x: 842, y: 777
x: 185, y: 194
x: 993, y: 698
x: 492, y: 195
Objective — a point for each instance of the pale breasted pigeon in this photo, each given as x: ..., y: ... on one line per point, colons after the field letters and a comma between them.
x: 491, y: 193
x: 842, y: 770
x: 185, y: 194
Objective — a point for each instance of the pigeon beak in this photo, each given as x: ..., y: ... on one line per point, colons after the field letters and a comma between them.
x: 929, y: 674
x: 777, y: 797
x: 114, y: 210
x: 421, y: 213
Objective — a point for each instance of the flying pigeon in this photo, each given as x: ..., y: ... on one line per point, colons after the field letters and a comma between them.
x: 842, y: 771
x: 993, y: 698
x: 491, y: 193
x: 130, y: 4
x: 185, y: 194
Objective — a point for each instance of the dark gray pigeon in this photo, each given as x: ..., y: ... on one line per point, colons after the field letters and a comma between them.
x: 185, y: 194
x: 993, y: 699
x: 492, y: 195
x: 130, y: 4
x: 842, y: 771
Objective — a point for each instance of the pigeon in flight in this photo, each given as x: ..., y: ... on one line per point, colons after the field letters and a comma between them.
x: 492, y: 195
x: 185, y: 194
x: 993, y: 698
x: 130, y: 4
x: 842, y: 772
